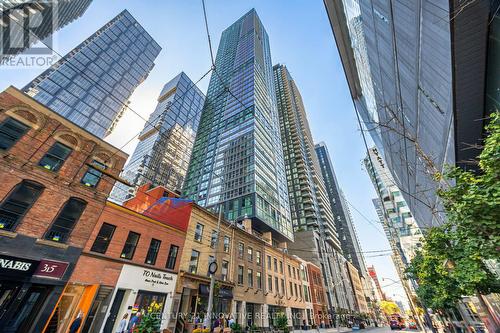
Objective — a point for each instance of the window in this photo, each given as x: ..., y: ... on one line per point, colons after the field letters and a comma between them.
x: 275, y: 265
x: 258, y: 278
x: 213, y: 239
x: 269, y: 283
x: 258, y: 258
x: 130, y: 245
x: 55, y: 157
x: 250, y: 254
x: 92, y: 177
x: 269, y: 262
x: 289, y: 271
x: 172, y: 256
x: 291, y: 288
x: 294, y: 275
x: 282, y: 286
x: 225, y: 269
x: 198, y: 232
x: 281, y: 267
x: 227, y: 243
x: 66, y: 220
x: 11, y: 131
x: 241, y: 249
x: 296, y: 292
x: 250, y: 277
x: 306, y: 294
x: 154, y: 247
x: 193, y: 262
x: 276, y: 285
x: 103, y: 238
x: 17, y: 203
x: 240, y: 274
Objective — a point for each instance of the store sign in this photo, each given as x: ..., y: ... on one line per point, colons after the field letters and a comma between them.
x: 51, y: 269
x: 156, y: 277
x: 19, y: 267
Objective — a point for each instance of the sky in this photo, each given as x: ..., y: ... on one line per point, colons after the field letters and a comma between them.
x: 300, y: 38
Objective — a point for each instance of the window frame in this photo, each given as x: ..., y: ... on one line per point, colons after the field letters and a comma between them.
x: 135, y: 246
x: 169, y: 257
x: 16, y: 140
x: 58, y: 217
x: 197, y: 262
x: 92, y: 249
x: 200, y: 234
x: 150, y: 249
x: 16, y: 187
x: 48, y: 154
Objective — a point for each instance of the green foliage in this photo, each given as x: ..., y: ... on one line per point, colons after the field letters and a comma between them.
x: 150, y: 323
x: 236, y: 327
x: 282, y: 322
x: 451, y: 262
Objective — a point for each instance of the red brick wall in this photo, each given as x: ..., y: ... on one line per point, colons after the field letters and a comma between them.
x: 21, y: 162
x: 126, y: 220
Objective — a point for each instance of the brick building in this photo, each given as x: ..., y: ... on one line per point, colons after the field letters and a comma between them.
x: 129, y: 263
x: 55, y: 180
x: 318, y: 294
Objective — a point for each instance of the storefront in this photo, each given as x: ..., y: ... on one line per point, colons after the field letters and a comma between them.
x: 141, y: 290
x: 29, y: 289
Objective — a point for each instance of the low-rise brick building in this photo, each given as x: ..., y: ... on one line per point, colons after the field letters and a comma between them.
x: 55, y: 178
x: 318, y: 295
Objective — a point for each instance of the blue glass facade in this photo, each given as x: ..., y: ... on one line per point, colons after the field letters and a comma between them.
x: 90, y: 85
x: 237, y: 158
x: 165, y: 144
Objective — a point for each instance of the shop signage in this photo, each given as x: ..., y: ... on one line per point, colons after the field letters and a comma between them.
x: 156, y: 277
x: 51, y: 269
x: 19, y: 267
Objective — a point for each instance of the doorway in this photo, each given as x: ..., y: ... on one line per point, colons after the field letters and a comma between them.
x: 113, y: 312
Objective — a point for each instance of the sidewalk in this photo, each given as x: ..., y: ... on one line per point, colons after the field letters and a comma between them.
x: 333, y: 330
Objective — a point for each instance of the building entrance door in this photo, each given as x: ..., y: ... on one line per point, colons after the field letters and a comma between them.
x: 113, y: 312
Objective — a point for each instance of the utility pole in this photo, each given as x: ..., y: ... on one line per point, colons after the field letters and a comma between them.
x: 213, y: 269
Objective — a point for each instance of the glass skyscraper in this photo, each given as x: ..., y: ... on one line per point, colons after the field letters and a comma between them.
x: 237, y: 158
x: 90, y: 86
x: 13, y: 16
x: 165, y: 144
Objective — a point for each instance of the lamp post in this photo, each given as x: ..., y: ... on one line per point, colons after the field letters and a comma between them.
x: 212, y: 270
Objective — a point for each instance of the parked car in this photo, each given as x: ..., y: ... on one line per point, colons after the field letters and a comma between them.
x: 395, y: 325
x: 412, y: 325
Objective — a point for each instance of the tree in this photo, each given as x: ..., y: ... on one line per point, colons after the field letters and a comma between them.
x: 451, y: 263
x: 389, y: 308
x: 282, y: 322
x: 150, y: 323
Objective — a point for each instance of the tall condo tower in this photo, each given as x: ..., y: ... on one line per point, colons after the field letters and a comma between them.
x: 91, y: 85
x: 312, y: 217
x: 343, y: 221
x: 165, y: 144
x: 237, y: 159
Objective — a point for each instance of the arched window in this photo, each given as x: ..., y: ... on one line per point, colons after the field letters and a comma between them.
x: 66, y: 220
x: 17, y: 203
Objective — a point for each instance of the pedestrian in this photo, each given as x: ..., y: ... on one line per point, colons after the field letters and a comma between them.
x: 122, y: 326
x: 75, y: 325
x: 231, y: 321
x: 134, y: 322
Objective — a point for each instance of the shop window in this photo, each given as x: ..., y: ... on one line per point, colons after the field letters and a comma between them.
x: 240, y: 274
x: 103, y: 238
x: 92, y: 177
x: 198, y: 232
x: 250, y: 277
x: 55, y: 157
x: 193, y: 262
x: 66, y: 220
x: 11, y: 131
x: 154, y: 247
x: 130, y: 245
x: 17, y: 203
x: 258, y: 280
x: 172, y: 256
